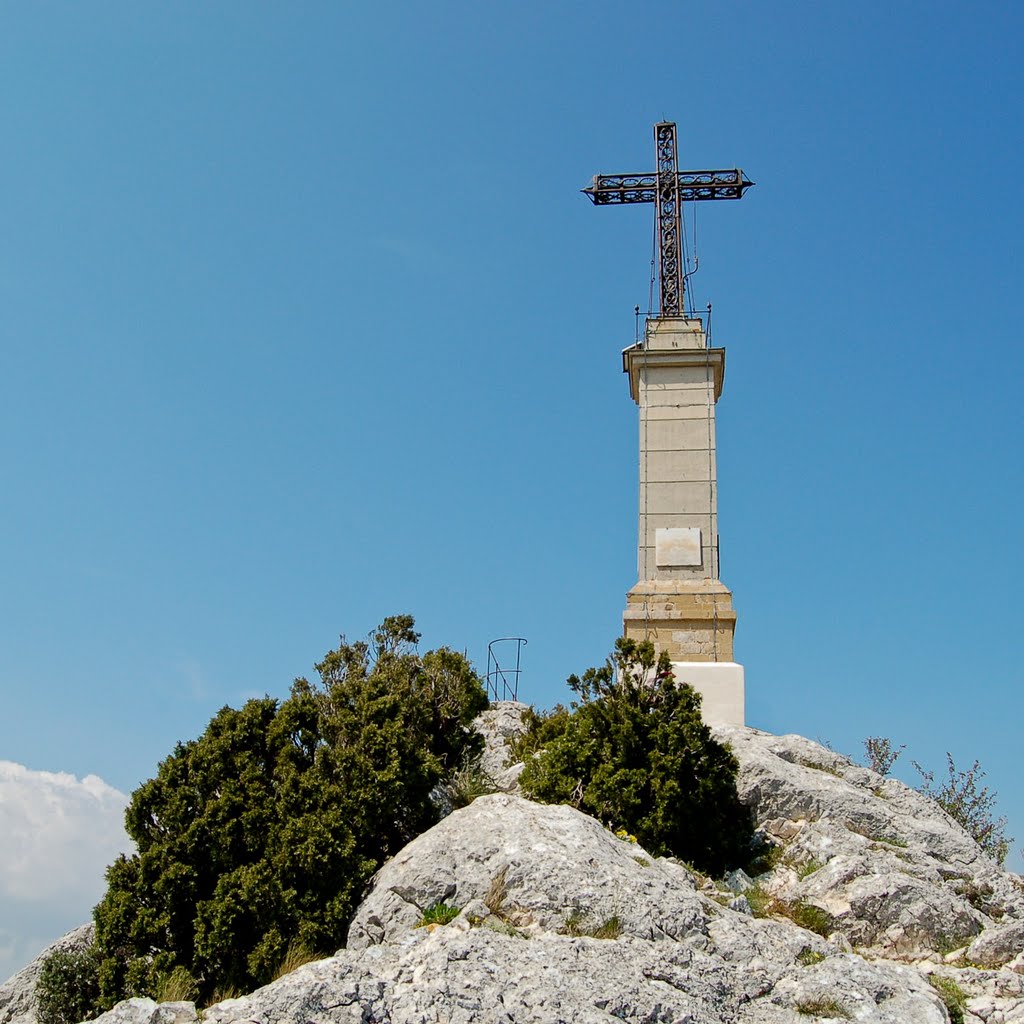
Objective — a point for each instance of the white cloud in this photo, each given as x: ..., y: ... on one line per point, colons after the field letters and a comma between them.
x: 58, y: 833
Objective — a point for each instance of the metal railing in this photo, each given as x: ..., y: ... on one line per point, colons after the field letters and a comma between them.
x: 503, y: 683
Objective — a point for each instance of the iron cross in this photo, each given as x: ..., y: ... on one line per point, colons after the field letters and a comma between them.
x: 668, y: 187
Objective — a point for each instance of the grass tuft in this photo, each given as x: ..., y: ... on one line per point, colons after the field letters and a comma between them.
x: 806, y: 915
x: 952, y: 995
x: 808, y: 868
x: 222, y: 993
x: 497, y: 892
x: 177, y: 987
x: 823, y: 1008
x: 297, y: 954
x: 577, y: 926
x: 468, y: 783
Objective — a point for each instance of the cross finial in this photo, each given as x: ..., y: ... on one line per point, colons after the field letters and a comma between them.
x: 668, y: 188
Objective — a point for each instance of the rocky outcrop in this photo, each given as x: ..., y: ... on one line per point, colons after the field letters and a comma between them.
x: 534, y: 887
x: 18, y: 994
x: 536, y: 867
x: 897, y: 876
x: 148, y: 1011
x: 875, y: 906
x: 477, y: 974
x: 501, y: 723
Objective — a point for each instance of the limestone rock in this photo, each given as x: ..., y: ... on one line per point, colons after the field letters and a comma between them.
x: 865, y: 991
x: 998, y: 945
x: 544, y: 866
x: 18, y: 993
x: 897, y: 875
x: 902, y: 893
x: 483, y: 976
x: 146, y: 1011
x: 500, y: 723
x: 522, y: 873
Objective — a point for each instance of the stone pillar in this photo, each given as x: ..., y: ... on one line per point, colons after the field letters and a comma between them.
x: 679, y: 602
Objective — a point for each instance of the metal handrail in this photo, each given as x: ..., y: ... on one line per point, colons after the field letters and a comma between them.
x: 498, y: 678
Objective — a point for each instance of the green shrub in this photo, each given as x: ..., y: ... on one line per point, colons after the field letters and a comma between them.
x: 259, y: 837
x: 539, y: 729
x: 970, y: 804
x: 635, y: 752
x: 881, y: 753
x: 68, y: 988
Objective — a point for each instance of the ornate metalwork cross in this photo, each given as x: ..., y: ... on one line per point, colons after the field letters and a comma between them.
x: 669, y: 188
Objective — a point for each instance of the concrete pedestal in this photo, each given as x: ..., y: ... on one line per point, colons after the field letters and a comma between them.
x: 720, y: 684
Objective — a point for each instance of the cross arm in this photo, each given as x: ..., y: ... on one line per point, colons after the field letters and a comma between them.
x: 643, y: 188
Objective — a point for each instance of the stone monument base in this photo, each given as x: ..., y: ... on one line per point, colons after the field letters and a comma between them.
x: 692, y: 620
x: 720, y: 684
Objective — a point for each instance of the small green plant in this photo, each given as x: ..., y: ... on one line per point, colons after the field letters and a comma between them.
x: 952, y: 995
x: 642, y: 861
x: 761, y: 903
x: 808, y: 868
x: 808, y: 916
x: 950, y: 943
x: 881, y: 754
x: 826, y: 768
x: 577, y: 926
x: 767, y: 856
x: 68, y: 988
x: 297, y: 954
x: 699, y: 877
x: 438, y: 913
x: 893, y: 841
x: 822, y: 1007
x: 808, y: 957
x: 610, y: 929
x: 506, y: 928
x: 177, y: 987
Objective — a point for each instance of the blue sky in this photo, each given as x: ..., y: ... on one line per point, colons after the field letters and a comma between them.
x: 305, y: 323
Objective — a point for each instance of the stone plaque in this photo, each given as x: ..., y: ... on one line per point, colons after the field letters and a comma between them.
x: 677, y: 546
